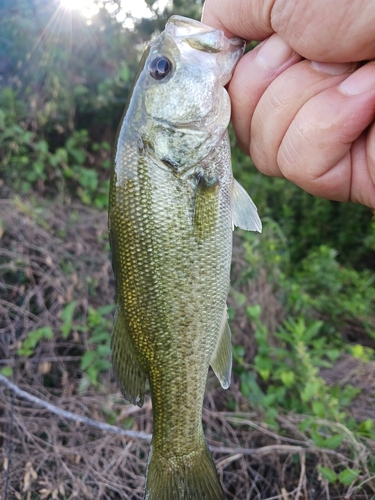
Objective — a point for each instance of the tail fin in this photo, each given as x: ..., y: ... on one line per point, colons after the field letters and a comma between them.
x: 192, y: 477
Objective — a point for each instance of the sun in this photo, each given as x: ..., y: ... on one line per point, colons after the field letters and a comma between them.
x: 135, y: 8
x: 69, y: 4
x: 87, y: 8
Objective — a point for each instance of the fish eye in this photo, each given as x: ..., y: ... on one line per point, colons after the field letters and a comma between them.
x: 160, y: 67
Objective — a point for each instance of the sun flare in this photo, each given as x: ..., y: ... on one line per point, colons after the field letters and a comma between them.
x: 87, y: 8
x: 135, y: 8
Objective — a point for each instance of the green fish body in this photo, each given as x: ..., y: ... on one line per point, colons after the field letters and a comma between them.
x: 173, y: 204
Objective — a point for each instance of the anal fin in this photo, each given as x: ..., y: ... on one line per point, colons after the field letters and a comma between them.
x: 129, y: 373
x: 221, y: 360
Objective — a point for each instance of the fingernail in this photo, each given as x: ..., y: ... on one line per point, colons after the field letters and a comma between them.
x: 274, y: 52
x: 360, y: 81
x: 333, y: 68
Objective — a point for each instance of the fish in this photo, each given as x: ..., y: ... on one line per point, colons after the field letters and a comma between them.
x: 173, y: 203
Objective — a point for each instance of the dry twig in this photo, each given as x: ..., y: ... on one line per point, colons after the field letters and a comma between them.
x: 73, y: 416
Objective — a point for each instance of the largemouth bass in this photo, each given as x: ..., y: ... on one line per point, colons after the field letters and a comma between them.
x: 173, y: 204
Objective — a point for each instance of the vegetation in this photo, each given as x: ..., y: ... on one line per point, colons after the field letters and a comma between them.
x: 299, y: 419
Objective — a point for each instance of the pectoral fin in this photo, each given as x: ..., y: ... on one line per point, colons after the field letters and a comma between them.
x: 206, y: 208
x: 130, y: 375
x: 244, y: 211
x: 221, y: 360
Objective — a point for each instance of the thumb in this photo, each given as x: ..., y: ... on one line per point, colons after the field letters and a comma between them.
x: 248, y: 19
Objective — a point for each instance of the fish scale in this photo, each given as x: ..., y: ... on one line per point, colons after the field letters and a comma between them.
x: 173, y: 203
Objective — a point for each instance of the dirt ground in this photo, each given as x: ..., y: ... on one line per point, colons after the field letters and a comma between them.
x: 53, y: 254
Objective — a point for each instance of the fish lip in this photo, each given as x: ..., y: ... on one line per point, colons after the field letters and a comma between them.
x: 201, y: 36
x: 194, y: 27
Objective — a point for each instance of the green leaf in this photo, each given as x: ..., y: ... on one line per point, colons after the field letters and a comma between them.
x: 106, y: 309
x: 240, y: 298
x: 124, y: 73
x: 265, y: 374
x: 263, y: 366
x: 25, y: 351
x: 333, y: 441
x: 318, y: 408
x: 7, y: 371
x: 357, y: 351
x: 100, y: 337
x: 46, y: 332
x: 28, y: 345
x: 42, y: 146
x: 103, y: 365
x: 269, y: 400
x: 103, y: 350
x: 318, y: 439
x: 94, y: 317
x: 253, y: 311
x: 310, y: 390
x: 250, y: 387
x: 67, y: 317
x: 88, y: 178
x: 262, y: 363
x: 38, y: 167
x: 80, y: 90
x: 347, y: 476
x: 306, y: 424
x: 238, y: 351
x: 61, y: 155
x: 92, y: 374
x: 366, y: 427
x: 327, y: 473
x: 287, y: 378
x: 87, y: 359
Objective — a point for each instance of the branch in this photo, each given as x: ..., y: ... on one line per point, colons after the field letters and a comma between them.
x: 73, y: 416
x: 265, y: 450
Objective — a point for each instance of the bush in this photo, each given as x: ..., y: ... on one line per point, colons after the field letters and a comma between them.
x: 307, y: 221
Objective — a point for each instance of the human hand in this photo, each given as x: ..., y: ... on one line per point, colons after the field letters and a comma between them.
x: 303, y: 101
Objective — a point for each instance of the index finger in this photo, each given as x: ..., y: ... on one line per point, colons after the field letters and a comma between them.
x: 345, y: 28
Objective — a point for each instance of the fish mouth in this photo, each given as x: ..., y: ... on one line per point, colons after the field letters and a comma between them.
x: 202, y: 37
x: 199, y: 36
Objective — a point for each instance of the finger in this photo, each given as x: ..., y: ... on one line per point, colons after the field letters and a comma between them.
x: 253, y: 74
x: 280, y: 104
x: 316, y: 152
x: 335, y: 31
x: 248, y: 19
x: 362, y: 189
x: 370, y: 152
x: 331, y: 31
